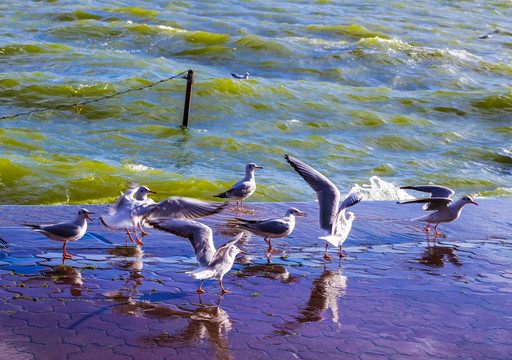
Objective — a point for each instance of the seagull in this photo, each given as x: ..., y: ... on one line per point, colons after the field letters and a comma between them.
x: 130, y: 212
x: 440, y: 202
x: 332, y: 214
x: 242, y: 189
x: 489, y: 34
x: 213, y: 263
x: 272, y: 228
x: 244, y: 77
x: 66, y: 231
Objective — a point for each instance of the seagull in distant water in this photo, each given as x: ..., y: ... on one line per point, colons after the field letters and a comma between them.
x: 440, y: 202
x: 242, y: 189
x: 489, y: 34
x: 213, y: 263
x: 245, y: 76
x: 272, y: 228
x: 66, y: 231
x: 332, y: 213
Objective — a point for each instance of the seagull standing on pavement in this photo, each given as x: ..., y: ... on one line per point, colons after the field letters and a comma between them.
x: 443, y: 208
x: 272, y: 228
x: 332, y: 214
x: 213, y: 263
x: 66, y: 231
x: 242, y: 189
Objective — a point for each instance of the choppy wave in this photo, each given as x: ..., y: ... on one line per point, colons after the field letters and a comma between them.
x: 369, y: 97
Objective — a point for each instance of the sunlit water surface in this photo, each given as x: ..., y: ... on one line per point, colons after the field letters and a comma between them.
x: 404, y: 91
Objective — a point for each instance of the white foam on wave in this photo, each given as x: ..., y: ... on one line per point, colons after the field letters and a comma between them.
x: 138, y: 168
x: 379, y: 189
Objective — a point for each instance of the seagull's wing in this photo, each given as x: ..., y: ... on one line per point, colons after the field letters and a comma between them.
x: 351, y: 200
x: 183, y: 208
x: 274, y: 226
x: 65, y: 230
x: 432, y: 203
x: 435, y: 191
x: 220, y: 254
x: 199, y: 235
x: 124, y: 199
x: 327, y: 193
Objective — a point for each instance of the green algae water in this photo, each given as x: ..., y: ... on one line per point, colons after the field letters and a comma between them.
x: 404, y: 92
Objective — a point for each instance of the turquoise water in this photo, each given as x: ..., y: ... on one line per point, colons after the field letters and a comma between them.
x: 403, y: 91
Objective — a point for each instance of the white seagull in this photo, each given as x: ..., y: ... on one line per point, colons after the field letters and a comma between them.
x: 440, y: 202
x: 213, y: 263
x: 242, y: 189
x: 244, y: 77
x: 272, y: 228
x: 331, y: 212
x: 130, y: 212
x: 66, y: 231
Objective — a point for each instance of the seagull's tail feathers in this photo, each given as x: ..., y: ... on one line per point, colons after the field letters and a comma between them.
x: 331, y: 239
x: 222, y: 195
x: 201, y: 273
x: 33, y: 226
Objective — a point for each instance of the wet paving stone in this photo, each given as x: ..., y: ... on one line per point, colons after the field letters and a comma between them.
x: 392, y: 297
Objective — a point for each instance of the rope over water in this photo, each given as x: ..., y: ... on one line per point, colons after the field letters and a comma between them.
x: 183, y: 75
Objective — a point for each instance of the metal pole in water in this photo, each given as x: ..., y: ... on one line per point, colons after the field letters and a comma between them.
x: 188, y: 96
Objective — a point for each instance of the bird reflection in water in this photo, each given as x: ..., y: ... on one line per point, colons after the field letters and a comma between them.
x: 132, y: 263
x: 277, y: 272
x: 208, y: 322
x: 436, y: 256
x: 326, y: 292
x: 67, y: 275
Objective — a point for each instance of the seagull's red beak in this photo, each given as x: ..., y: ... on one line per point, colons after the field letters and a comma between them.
x: 302, y: 214
x: 472, y: 202
x: 87, y: 215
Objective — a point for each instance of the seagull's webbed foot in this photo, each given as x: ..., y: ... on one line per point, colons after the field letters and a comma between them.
x: 326, y: 257
x: 224, y: 291
x: 130, y: 235
x: 142, y: 232
x: 200, y: 291
x: 65, y: 254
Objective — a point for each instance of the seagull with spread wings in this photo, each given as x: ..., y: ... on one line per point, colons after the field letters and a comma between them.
x: 213, y: 263
x: 443, y: 208
x: 333, y: 218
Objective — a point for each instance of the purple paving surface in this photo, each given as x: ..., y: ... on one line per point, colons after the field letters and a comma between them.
x: 392, y: 297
